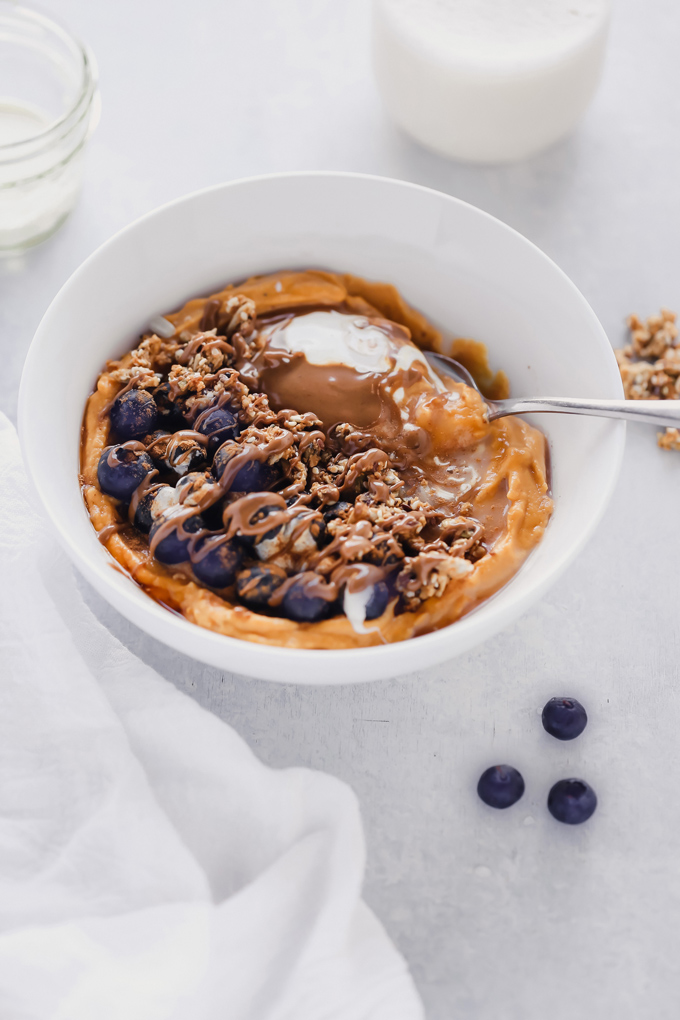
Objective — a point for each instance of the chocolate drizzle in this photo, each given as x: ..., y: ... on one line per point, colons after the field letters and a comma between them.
x: 111, y: 529
x: 334, y: 433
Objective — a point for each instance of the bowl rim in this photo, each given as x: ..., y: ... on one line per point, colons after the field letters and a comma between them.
x: 378, y: 654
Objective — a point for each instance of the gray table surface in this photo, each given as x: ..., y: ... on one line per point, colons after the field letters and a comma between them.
x: 501, y: 915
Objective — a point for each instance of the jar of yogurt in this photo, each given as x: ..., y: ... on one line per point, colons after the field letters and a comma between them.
x: 488, y: 81
x: 49, y: 105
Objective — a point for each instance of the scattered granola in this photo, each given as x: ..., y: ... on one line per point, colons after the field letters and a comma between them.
x: 650, y: 365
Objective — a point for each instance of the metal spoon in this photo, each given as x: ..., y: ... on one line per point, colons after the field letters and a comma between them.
x: 647, y: 412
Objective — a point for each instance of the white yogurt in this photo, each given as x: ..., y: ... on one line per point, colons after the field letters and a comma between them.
x: 488, y: 80
x: 332, y: 338
x: 336, y: 338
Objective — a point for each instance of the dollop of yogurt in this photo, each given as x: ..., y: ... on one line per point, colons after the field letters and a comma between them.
x: 336, y: 338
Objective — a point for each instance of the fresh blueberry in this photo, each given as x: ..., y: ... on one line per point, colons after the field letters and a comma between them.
x: 564, y: 718
x: 121, y: 470
x: 319, y: 532
x: 377, y: 604
x: 219, y: 424
x: 219, y: 567
x: 299, y: 604
x: 200, y: 489
x: 386, y: 552
x: 153, y: 502
x: 180, y: 453
x: 572, y: 801
x: 336, y: 510
x: 195, y: 487
x: 254, y: 476
x: 170, y: 415
x: 143, y: 519
x: 212, y: 515
x: 133, y: 414
x: 501, y: 786
x: 256, y: 585
x: 291, y: 538
x: 174, y: 546
x: 175, y: 451
x: 157, y: 443
x: 259, y: 515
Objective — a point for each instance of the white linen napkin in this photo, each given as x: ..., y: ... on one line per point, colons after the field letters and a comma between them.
x: 150, y: 866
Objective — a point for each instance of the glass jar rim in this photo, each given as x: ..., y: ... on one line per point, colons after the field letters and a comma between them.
x: 86, y: 90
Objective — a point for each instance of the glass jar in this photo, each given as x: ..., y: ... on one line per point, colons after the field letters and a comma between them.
x: 49, y: 106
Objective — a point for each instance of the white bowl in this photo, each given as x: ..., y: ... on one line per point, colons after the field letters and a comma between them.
x: 462, y: 268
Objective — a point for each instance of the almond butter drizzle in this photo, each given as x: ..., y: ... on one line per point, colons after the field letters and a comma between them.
x: 504, y: 449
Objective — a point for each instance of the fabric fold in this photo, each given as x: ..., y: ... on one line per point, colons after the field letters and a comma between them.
x: 150, y: 865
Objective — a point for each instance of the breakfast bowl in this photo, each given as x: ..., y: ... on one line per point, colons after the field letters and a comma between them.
x: 468, y: 273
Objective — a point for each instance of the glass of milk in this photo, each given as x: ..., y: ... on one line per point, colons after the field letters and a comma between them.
x: 489, y: 81
x: 49, y: 105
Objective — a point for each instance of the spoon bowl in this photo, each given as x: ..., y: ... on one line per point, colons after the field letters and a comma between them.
x: 665, y: 413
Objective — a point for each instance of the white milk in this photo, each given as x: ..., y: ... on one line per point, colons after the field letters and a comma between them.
x: 19, y: 121
x: 39, y: 181
x: 488, y: 80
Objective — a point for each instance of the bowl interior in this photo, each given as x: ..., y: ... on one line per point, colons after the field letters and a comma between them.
x: 465, y: 270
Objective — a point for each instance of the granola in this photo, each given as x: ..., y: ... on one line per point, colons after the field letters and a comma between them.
x: 650, y: 365
x: 252, y: 515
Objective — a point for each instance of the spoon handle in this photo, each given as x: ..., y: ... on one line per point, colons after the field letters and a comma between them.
x: 648, y: 412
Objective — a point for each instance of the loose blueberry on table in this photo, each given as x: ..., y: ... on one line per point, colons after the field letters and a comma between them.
x: 500, y: 786
x: 572, y: 801
x: 564, y: 718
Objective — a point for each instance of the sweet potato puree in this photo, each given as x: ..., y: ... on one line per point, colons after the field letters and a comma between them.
x: 454, y: 462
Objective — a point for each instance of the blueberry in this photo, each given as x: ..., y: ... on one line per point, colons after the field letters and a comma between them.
x: 170, y: 415
x: 299, y: 604
x: 219, y: 567
x: 254, y: 476
x: 501, y: 786
x: 219, y: 424
x: 291, y: 538
x: 377, y: 604
x: 185, y: 455
x: 133, y: 414
x: 212, y: 515
x: 157, y: 443
x: 320, y: 532
x: 179, y: 453
x: 564, y: 718
x: 174, y: 547
x: 256, y: 585
x: 260, y: 515
x: 196, y: 486
x: 336, y: 510
x: 121, y: 470
x: 152, y: 504
x: 200, y: 489
x: 572, y: 801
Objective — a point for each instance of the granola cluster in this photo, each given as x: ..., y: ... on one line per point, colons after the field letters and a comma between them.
x: 650, y: 365
x: 363, y: 519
